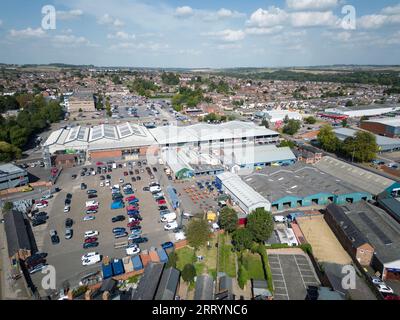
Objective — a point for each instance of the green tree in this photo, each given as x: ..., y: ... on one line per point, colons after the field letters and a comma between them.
x: 242, y: 239
x: 310, y: 120
x: 243, y: 276
x: 344, y: 123
x: 188, y: 273
x: 349, y: 103
x: 265, y: 123
x: 8, y: 152
x: 172, y: 260
x: 19, y: 136
x: 260, y: 224
x: 287, y: 143
x: 228, y: 219
x: 362, y: 147
x: 198, y: 233
x: 327, y: 139
x: 8, y: 206
x: 291, y: 127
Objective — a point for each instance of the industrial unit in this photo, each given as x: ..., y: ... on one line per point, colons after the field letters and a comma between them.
x: 365, y: 227
x: 385, y: 144
x: 360, y: 111
x: 12, y: 176
x: 388, y: 127
x: 241, y: 193
x: 302, y: 185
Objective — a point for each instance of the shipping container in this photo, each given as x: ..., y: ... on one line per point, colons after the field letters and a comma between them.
x: 154, y: 256
x: 163, y: 255
x: 137, y: 263
x: 128, y: 265
x: 118, y: 267
x: 144, y: 256
x: 107, y: 271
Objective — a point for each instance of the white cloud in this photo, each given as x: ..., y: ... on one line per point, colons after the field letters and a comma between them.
x: 150, y: 46
x: 311, y: 4
x: 376, y: 21
x: 191, y: 52
x: 70, y: 40
x: 230, y: 46
x: 313, y: 19
x: 184, y: 11
x: 226, y: 13
x: 67, y: 15
x: 391, y: 10
x: 121, y: 35
x: 268, y: 18
x: 110, y: 21
x: 28, y: 33
x: 263, y: 31
x: 227, y: 35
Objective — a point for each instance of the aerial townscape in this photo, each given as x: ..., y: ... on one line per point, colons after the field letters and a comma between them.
x: 141, y: 176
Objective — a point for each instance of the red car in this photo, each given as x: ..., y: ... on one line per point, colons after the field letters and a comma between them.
x: 125, y: 173
x: 43, y: 202
x: 132, y: 208
x: 92, y: 208
x: 99, y: 163
x: 90, y: 240
x: 130, y: 198
x: 161, y: 202
x: 133, y: 223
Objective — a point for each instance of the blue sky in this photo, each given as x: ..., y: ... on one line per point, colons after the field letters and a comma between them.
x: 208, y: 33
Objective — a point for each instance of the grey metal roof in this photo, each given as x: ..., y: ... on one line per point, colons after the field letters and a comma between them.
x: 378, y: 222
x: 298, y: 180
x: 392, y: 206
x: 360, y: 178
x: 168, y: 284
x: 16, y: 232
x: 347, y: 226
x: 9, y: 168
x: 149, y: 282
x: 204, y: 288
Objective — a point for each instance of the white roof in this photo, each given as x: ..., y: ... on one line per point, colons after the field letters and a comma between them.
x: 242, y: 190
x: 394, y: 122
x: 205, y: 132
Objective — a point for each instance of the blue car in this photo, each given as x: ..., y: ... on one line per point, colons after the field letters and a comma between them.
x: 167, y: 245
x: 118, y: 230
x: 133, y: 201
x: 133, y: 212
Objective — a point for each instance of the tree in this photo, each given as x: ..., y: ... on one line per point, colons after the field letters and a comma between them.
x: 349, y: 103
x: 8, y: 206
x: 228, y: 219
x: 286, y: 119
x: 265, y: 123
x: 362, y: 147
x: 287, y: 143
x: 291, y: 127
x: 344, y: 123
x: 327, y: 139
x: 242, y: 239
x: 198, y: 233
x: 8, y: 152
x: 172, y: 260
x: 243, y: 276
x: 80, y: 110
x: 18, y: 136
x: 260, y: 224
x: 310, y: 120
x: 188, y: 273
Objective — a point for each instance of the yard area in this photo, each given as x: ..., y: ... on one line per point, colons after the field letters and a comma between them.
x: 253, y: 264
x: 226, y: 259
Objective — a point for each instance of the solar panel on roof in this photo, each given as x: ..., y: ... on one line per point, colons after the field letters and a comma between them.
x: 81, y: 133
x: 378, y: 232
x: 97, y: 133
x: 73, y: 134
x: 109, y: 132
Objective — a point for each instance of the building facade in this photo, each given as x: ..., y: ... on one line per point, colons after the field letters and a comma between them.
x: 12, y: 176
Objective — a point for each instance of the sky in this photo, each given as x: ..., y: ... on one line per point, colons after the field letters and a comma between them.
x: 201, y: 34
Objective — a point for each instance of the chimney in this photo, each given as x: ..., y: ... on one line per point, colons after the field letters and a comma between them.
x: 70, y: 295
x: 88, y: 295
x: 106, y: 295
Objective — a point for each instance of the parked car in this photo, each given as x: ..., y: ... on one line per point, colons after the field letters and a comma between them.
x: 137, y: 227
x: 90, y: 245
x: 88, y: 218
x: 91, y: 191
x: 167, y: 245
x: 140, y: 240
x: 91, y: 196
x: 376, y: 280
x: 118, y: 230
x: 161, y: 201
x: 38, y: 221
x: 171, y: 226
x: 131, y: 251
x: 91, y: 211
x: 69, y: 222
x: 88, y: 255
x: 69, y: 196
x: 90, y: 240
x: 37, y: 268
x: 68, y: 233
x: 120, y: 235
x: 117, y: 218
x: 161, y: 208
x: 384, y: 288
x: 40, y: 205
x: 83, y: 186
x: 54, y: 237
x: 91, y: 233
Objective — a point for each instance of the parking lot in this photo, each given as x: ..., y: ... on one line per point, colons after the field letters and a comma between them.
x: 66, y: 256
x: 291, y: 274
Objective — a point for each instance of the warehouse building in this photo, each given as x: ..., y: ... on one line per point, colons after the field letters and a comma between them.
x: 387, y: 127
x: 363, y: 222
x: 385, y: 144
x: 355, y: 176
x: 12, y: 176
x: 103, y: 141
x: 303, y: 185
x: 278, y: 116
x: 363, y: 111
x: 241, y: 193
x: 202, y: 134
x: 257, y: 156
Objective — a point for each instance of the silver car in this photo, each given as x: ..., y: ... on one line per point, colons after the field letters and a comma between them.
x: 68, y: 233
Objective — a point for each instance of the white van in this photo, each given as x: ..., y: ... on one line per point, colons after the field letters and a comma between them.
x: 280, y: 219
x: 114, y: 165
x: 171, y: 226
x: 91, y: 203
x: 155, y: 189
x: 169, y: 217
